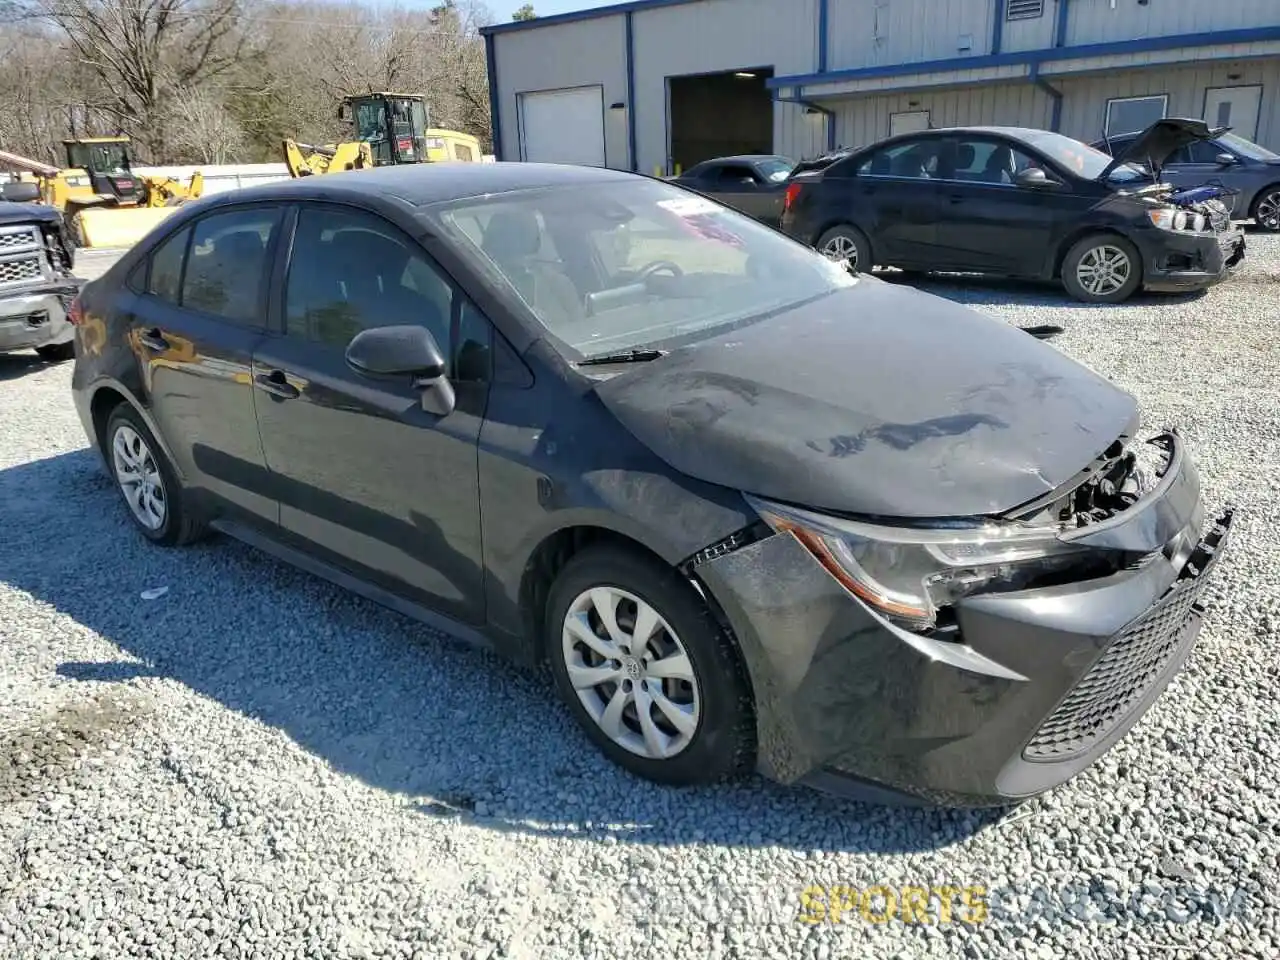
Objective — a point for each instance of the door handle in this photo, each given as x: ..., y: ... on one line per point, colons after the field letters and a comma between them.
x: 276, y: 384
x: 153, y: 339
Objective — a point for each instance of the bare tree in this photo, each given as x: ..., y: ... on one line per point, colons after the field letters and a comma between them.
x: 144, y: 51
x: 202, y: 129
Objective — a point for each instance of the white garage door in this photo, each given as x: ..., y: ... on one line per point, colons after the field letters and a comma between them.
x: 563, y: 126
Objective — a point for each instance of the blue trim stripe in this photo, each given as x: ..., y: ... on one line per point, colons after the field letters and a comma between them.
x: 631, y: 96
x: 495, y: 120
x: 594, y: 13
x: 1028, y: 57
x: 1060, y: 28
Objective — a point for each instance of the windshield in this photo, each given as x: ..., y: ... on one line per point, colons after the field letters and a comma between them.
x: 371, y: 121
x: 1246, y: 148
x: 108, y: 158
x: 607, y: 267
x: 1082, y: 159
x: 775, y: 170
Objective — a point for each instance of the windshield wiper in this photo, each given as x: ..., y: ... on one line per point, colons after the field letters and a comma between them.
x: 627, y: 356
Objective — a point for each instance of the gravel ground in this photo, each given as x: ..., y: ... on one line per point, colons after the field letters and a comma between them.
x: 255, y: 764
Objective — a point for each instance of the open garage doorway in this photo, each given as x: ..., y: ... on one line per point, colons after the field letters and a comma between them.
x: 718, y: 115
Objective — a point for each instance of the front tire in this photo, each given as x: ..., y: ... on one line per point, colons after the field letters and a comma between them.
x: 1266, y: 209
x: 146, y: 480
x: 647, y: 671
x: 1102, y: 268
x: 846, y: 242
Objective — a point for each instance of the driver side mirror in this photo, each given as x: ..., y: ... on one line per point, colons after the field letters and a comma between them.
x: 404, y: 351
x: 1226, y: 159
x: 1035, y: 179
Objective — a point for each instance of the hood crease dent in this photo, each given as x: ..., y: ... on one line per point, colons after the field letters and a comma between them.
x: 878, y: 400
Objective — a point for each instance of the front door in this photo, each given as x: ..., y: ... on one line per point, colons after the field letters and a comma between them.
x: 365, y: 477
x: 1202, y: 163
x: 194, y: 329
x: 986, y: 222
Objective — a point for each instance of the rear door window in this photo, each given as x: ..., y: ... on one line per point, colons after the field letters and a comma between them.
x: 166, y: 267
x: 914, y: 159
x: 228, y: 264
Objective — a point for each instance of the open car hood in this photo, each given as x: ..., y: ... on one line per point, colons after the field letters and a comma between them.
x: 1158, y: 142
x: 875, y: 400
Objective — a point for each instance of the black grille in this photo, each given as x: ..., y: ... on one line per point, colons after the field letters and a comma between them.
x: 1130, y: 666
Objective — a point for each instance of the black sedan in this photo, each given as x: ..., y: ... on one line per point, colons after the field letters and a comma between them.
x: 753, y: 183
x: 710, y: 476
x: 1020, y: 203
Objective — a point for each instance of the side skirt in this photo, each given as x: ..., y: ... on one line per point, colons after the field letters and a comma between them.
x: 326, y: 571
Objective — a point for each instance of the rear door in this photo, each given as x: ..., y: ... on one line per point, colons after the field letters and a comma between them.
x: 893, y: 198
x: 365, y: 477
x: 193, y: 330
x: 986, y: 222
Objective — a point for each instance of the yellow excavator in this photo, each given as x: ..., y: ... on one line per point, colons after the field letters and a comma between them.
x: 390, y: 128
x: 103, y: 201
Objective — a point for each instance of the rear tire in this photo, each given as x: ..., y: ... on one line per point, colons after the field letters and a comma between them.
x: 845, y: 241
x: 1102, y: 268
x: 1266, y: 209
x: 57, y: 352
x: 674, y: 706
x: 153, y: 496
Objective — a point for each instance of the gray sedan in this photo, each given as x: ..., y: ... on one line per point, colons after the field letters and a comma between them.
x: 1236, y: 163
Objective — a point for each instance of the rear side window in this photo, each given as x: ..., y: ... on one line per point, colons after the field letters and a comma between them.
x: 226, y: 272
x: 914, y: 159
x: 166, y: 267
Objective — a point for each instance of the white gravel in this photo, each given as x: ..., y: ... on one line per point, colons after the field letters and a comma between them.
x: 255, y: 764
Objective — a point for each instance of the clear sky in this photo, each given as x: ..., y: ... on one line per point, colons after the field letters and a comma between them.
x: 545, y: 8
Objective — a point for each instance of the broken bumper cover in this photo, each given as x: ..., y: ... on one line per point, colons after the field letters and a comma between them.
x: 36, y: 316
x: 1177, y: 262
x: 1039, y: 684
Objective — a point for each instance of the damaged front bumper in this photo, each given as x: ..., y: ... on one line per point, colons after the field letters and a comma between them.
x: 36, y: 315
x: 1174, y: 262
x: 1034, y: 686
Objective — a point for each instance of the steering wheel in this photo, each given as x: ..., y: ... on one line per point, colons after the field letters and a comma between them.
x: 649, y: 269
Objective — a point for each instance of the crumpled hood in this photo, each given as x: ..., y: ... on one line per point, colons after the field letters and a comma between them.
x: 876, y: 400
x: 27, y: 213
x: 1158, y: 142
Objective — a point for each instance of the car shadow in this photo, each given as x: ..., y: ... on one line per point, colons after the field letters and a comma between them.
x: 460, y: 732
x: 16, y: 365
x: 975, y: 289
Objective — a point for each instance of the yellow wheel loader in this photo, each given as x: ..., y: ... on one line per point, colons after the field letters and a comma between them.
x: 389, y: 128
x: 103, y: 202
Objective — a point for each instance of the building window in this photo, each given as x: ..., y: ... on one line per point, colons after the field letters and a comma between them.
x: 1134, y: 114
x: 1024, y: 9
x: 909, y: 122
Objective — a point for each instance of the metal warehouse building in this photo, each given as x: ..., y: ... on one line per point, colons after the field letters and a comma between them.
x: 655, y: 84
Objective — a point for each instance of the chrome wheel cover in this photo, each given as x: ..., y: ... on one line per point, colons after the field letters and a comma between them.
x: 631, y: 672
x: 1103, y: 270
x: 139, y: 478
x: 840, y: 248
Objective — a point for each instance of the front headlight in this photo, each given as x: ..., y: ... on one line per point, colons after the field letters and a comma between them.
x: 1171, y: 218
x: 908, y: 574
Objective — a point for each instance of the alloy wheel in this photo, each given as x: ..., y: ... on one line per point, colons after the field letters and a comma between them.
x: 1268, y: 214
x: 840, y: 248
x: 631, y: 672
x: 1103, y: 270
x: 139, y: 477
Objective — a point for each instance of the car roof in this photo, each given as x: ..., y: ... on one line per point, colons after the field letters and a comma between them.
x: 745, y: 158
x: 420, y: 184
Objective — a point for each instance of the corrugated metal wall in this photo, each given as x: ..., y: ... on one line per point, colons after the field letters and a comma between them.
x: 566, y: 55
x: 868, y: 33
x: 1094, y: 21
x: 715, y: 36
x: 865, y: 120
x: 1085, y: 98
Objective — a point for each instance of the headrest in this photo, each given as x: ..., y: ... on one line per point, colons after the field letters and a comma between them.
x: 511, y: 234
x: 964, y: 156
